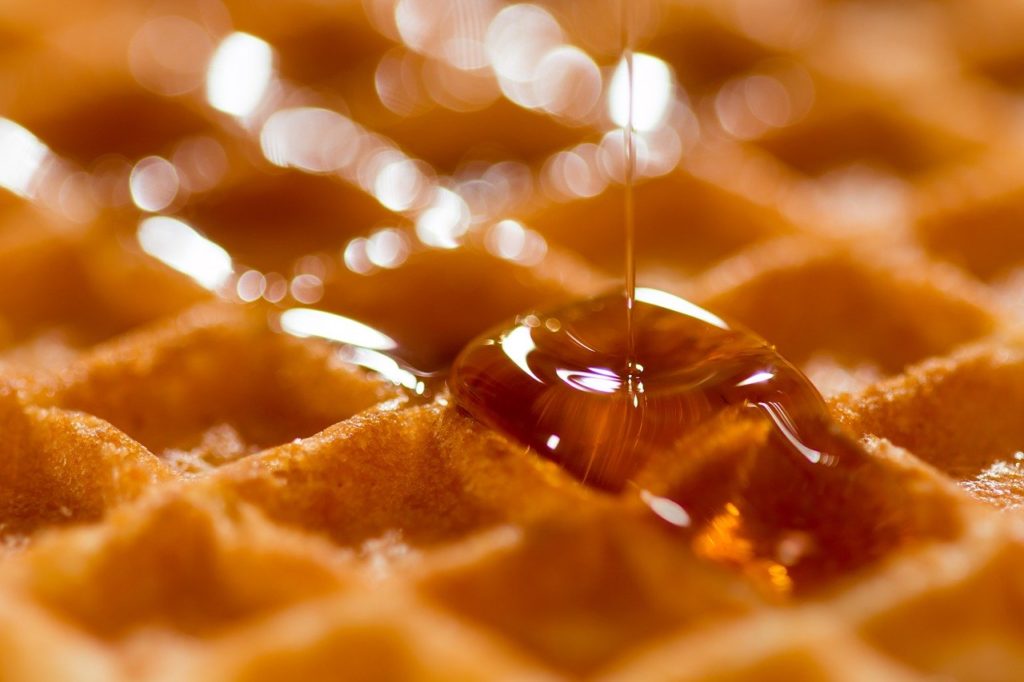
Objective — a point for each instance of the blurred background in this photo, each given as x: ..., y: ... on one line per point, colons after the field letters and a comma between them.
x: 309, y: 153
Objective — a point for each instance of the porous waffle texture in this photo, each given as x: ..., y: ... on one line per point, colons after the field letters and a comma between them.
x: 186, y: 492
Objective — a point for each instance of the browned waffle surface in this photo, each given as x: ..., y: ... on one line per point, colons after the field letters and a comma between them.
x: 241, y: 243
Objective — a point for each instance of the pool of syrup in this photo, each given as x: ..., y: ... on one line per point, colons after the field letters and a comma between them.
x: 792, y: 501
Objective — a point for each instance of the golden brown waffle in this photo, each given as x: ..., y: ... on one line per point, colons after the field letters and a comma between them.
x: 192, y: 489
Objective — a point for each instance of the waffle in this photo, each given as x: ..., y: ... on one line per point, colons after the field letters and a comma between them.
x: 200, y: 482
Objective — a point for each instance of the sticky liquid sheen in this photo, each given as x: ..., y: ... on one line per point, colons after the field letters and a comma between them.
x: 770, y: 485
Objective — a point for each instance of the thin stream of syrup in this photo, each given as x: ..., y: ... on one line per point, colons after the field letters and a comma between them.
x: 630, y: 219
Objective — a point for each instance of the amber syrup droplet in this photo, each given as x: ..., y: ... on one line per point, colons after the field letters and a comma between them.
x: 792, y: 502
x: 611, y: 388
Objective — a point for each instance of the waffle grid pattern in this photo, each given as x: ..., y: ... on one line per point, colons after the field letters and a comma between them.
x: 188, y: 493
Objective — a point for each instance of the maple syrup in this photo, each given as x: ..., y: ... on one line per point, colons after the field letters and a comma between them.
x: 793, y: 501
x: 563, y: 382
x: 630, y: 214
x: 611, y: 389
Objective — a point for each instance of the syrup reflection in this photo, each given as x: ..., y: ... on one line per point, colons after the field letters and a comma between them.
x: 29, y: 170
x: 653, y: 93
x: 176, y: 244
x: 667, y: 510
x: 361, y: 345
x: 310, y: 138
x: 240, y: 75
x: 307, y: 322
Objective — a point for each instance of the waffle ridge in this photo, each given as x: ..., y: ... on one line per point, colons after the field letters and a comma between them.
x: 192, y: 490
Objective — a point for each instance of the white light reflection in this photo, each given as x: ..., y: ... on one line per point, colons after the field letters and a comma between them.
x: 310, y: 139
x: 452, y: 30
x: 397, y: 80
x: 517, y: 345
x: 596, y: 380
x: 567, y: 82
x: 277, y: 288
x: 306, y: 322
x: 553, y: 441
x: 518, y: 39
x: 582, y: 176
x: 758, y: 378
x: 653, y: 89
x: 657, y: 152
x: 612, y: 158
x: 383, y: 364
x: 663, y: 299
x: 445, y: 221
x: 663, y: 150
x: 355, y: 256
x: 176, y: 244
x: 377, y: 152
x: 398, y: 184
x: 239, y: 75
x: 782, y: 422
x: 251, y: 286
x: 387, y: 248
x: 153, y: 183
x: 666, y: 509
x: 307, y: 288
x: 509, y: 240
x: 22, y: 156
